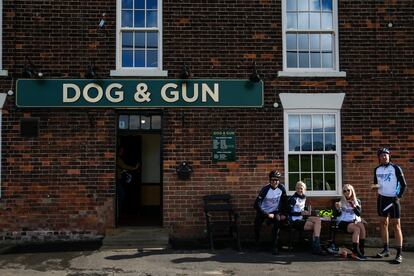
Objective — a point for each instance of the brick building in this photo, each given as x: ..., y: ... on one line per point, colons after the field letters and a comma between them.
x: 165, y: 80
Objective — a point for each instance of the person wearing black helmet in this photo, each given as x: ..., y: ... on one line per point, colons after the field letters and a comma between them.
x: 390, y: 183
x: 270, y: 205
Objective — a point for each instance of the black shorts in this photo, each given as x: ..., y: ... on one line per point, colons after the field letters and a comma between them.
x: 298, y: 224
x: 383, y: 202
x: 343, y: 225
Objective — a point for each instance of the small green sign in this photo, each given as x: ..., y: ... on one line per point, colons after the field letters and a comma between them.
x: 224, y: 145
x: 138, y: 93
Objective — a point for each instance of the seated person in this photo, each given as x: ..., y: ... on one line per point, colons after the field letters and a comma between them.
x: 270, y: 205
x: 348, y: 213
x: 296, y: 213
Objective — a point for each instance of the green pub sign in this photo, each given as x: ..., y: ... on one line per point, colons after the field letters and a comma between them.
x: 224, y: 145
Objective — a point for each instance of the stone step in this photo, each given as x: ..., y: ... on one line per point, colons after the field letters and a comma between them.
x: 136, y: 237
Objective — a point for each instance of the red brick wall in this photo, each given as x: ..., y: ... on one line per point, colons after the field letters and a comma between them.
x: 63, y: 181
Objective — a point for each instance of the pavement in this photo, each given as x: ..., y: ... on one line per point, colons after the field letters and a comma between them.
x: 81, y: 260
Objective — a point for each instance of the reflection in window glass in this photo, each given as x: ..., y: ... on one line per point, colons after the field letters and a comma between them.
x: 291, y: 5
x: 134, y: 122
x: 123, y: 122
x: 291, y: 41
x: 292, y: 60
x: 303, y: 5
x: 126, y: 4
x: 293, y: 123
x: 313, y: 133
x: 293, y: 178
x: 303, y: 21
x: 292, y: 20
x: 156, y: 122
x: 294, y: 163
x: 303, y: 59
x: 145, y: 122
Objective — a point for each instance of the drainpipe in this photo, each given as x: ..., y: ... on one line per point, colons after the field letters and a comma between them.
x: 2, y: 100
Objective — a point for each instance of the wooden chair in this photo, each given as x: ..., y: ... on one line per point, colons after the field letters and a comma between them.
x: 221, y: 219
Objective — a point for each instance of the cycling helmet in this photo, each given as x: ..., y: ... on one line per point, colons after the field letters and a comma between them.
x: 274, y: 174
x: 383, y: 150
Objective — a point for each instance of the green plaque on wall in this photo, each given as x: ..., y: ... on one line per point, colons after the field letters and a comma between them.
x: 224, y: 145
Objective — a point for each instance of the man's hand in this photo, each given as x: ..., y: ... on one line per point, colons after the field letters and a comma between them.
x: 374, y: 187
x: 271, y: 216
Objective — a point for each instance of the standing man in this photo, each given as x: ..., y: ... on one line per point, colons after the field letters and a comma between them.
x: 270, y: 204
x: 390, y: 183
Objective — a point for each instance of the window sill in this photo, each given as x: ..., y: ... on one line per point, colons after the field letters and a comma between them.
x: 318, y: 193
x: 335, y: 74
x: 138, y: 73
x: 3, y: 73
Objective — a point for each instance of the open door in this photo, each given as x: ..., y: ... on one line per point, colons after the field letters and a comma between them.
x: 139, y: 188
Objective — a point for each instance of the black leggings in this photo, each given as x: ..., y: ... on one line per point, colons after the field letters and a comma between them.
x: 258, y: 221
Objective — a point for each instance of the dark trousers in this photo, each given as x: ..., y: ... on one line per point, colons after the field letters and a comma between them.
x: 258, y: 221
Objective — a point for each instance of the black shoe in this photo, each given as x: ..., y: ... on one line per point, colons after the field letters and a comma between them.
x: 383, y: 253
x: 397, y: 260
x: 358, y: 256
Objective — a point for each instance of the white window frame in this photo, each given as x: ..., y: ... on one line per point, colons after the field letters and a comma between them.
x: 312, y: 72
x: 2, y: 72
x: 310, y: 104
x: 137, y: 71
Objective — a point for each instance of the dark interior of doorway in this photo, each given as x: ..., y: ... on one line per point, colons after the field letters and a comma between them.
x: 131, y: 212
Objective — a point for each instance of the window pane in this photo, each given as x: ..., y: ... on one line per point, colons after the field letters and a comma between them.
x: 293, y: 163
x: 305, y: 123
x: 307, y: 178
x: 303, y: 41
x: 291, y: 41
x: 134, y: 122
x: 123, y: 122
x: 303, y: 20
x: 152, y: 19
x: 293, y: 178
x: 140, y: 4
x: 152, y: 58
x: 317, y: 163
x: 145, y: 122
x: 151, y: 4
x: 293, y: 123
x: 292, y: 60
x: 139, y: 58
x: 315, y: 60
x: 305, y: 163
x: 329, y: 123
x: 127, y: 58
x: 140, y: 40
x: 303, y: 59
x: 291, y: 5
x: 326, y: 42
x: 156, y: 122
x: 127, y: 39
x: 306, y: 142
x: 126, y: 18
x: 152, y: 40
x: 327, y: 60
x: 317, y: 124
x: 326, y: 20
x: 317, y: 181
x: 139, y: 20
x: 126, y: 4
x: 318, y: 142
x: 294, y: 144
x: 303, y: 5
x: 314, y: 42
x: 330, y: 183
x: 330, y: 142
x: 329, y: 163
x: 327, y: 5
x: 315, y: 20
x: 315, y: 5
x: 292, y: 20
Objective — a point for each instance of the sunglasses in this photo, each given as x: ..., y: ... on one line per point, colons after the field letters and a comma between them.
x: 346, y: 191
x: 274, y: 179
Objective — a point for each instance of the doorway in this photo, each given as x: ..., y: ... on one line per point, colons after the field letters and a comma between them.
x: 139, y: 178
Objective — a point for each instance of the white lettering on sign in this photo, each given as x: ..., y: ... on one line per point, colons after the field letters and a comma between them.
x: 119, y: 94
x: 214, y: 95
x: 73, y: 87
x: 172, y: 96
x: 169, y: 93
x: 90, y: 86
